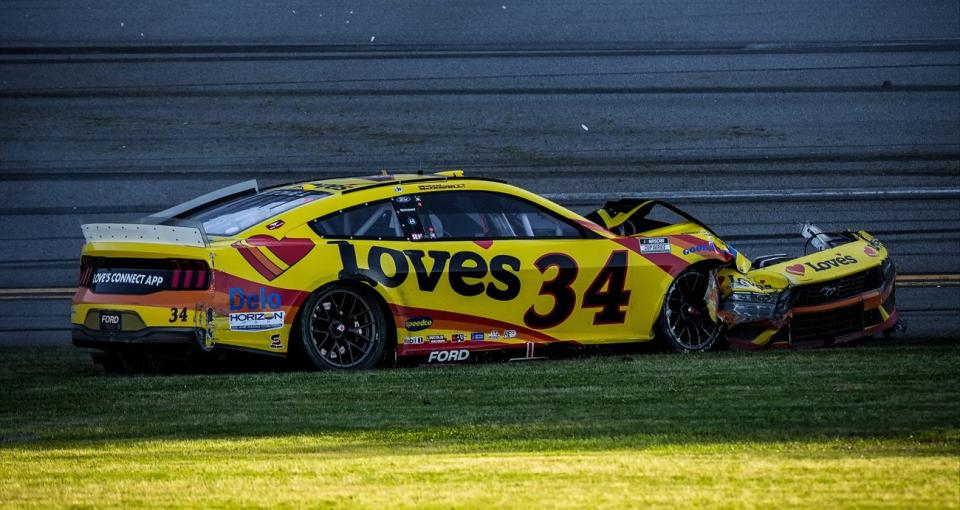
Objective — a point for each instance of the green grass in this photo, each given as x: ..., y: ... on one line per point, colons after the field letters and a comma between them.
x: 872, y: 426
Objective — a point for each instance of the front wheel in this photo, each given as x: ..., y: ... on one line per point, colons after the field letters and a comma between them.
x: 343, y: 328
x: 685, y: 322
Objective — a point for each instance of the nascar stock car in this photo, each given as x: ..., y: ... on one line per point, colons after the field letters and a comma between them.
x: 352, y: 272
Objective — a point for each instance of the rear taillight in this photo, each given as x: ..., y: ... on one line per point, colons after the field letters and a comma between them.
x: 189, y: 275
x: 86, y: 271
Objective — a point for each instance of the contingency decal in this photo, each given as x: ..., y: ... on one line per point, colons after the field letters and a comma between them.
x: 256, y: 321
x: 447, y: 320
x: 706, y: 248
x: 255, y: 311
x: 655, y: 245
x: 271, y: 257
x: 667, y: 261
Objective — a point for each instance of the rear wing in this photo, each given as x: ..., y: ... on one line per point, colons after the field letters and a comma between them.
x: 220, y: 195
x: 161, y: 227
x: 150, y: 234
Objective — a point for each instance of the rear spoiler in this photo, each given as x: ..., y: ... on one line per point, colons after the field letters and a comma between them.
x: 220, y: 195
x: 137, y: 233
x: 161, y: 228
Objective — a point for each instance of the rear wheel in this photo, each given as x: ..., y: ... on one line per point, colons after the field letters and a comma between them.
x: 343, y: 328
x: 685, y: 322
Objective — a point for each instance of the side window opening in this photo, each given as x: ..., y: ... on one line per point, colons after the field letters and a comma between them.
x: 488, y: 215
x: 377, y: 220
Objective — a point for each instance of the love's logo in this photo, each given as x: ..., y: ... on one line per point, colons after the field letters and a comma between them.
x: 272, y: 257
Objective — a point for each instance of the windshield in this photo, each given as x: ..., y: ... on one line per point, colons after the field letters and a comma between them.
x: 237, y: 215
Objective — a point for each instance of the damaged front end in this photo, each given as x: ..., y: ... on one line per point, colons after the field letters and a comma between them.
x: 841, y: 288
x: 841, y: 291
x: 754, y: 306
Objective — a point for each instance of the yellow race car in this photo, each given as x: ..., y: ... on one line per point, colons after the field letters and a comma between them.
x: 353, y: 272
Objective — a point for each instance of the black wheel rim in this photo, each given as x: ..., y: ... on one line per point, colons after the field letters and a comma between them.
x: 688, y: 320
x: 343, y: 328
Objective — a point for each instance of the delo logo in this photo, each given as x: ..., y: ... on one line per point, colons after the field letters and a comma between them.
x: 418, y: 323
x: 239, y: 300
x: 445, y: 356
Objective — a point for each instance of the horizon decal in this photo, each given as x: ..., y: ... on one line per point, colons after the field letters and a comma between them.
x: 256, y: 321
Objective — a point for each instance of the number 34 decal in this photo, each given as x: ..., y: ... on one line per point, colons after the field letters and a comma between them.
x: 178, y: 314
x: 613, y: 276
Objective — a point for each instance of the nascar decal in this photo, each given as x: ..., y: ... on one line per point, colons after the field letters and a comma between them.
x: 272, y: 257
x: 654, y: 245
x: 668, y: 262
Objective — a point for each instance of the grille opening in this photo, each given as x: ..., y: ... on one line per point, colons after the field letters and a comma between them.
x: 840, y: 288
x: 827, y: 325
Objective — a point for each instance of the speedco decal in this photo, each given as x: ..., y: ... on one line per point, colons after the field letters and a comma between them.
x: 418, y: 323
x: 271, y: 257
x: 256, y: 321
x: 445, y: 356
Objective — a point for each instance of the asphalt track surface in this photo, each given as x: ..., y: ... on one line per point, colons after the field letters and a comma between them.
x: 754, y: 116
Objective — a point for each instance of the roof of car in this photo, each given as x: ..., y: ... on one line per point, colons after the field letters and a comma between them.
x: 344, y: 185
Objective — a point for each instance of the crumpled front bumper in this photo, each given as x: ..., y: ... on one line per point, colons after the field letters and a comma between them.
x: 784, y: 324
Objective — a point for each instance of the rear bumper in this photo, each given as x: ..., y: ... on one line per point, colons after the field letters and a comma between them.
x: 85, y: 337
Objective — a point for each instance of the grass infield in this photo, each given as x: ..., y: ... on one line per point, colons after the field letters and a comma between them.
x: 877, y: 425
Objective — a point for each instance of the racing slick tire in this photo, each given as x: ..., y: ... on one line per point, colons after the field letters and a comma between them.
x: 685, y: 324
x: 343, y: 327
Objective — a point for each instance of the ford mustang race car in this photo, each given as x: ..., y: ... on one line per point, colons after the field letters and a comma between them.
x: 348, y: 273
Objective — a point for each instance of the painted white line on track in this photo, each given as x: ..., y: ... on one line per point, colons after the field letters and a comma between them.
x: 795, y: 194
